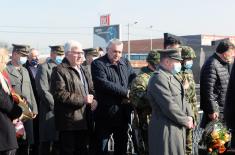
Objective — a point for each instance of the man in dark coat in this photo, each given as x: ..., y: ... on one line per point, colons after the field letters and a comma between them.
x: 21, y: 84
x: 214, y: 79
x: 171, y: 115
x: 48, y: 136
x: 71, y: 88
x: 229, y: 107
x: 32, y: 66
x: 112, y: 76
x: 8, y: 112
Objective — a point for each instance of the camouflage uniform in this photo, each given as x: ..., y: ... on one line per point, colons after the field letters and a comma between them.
x: 186, y: 77
x: 139, y: 100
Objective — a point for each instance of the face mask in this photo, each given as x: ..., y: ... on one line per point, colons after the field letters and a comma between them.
x: 58, y: 59
x: 177, y: 68
x: 34, y: 62
x: 188, y: 64
x: 95, y: 58
x: 22, y: 60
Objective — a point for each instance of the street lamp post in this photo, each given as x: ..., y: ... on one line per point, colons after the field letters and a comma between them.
x: 129, y: 43
x: 129, y: 50
x: 151, y: 39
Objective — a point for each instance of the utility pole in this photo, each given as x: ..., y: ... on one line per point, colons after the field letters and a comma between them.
x: 129, y: 42
x: 151, y: 39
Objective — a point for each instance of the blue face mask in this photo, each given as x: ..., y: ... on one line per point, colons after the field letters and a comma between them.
x: 34, y: 62
x: 22, y: 60
x: 59, y: 59
x: 177, y: 68
x: 188, y: 64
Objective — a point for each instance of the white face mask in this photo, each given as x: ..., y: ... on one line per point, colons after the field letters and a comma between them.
x: 22, y: 60
x: 176, y: 68
x: 59, y: 59
x: 188, y: 64
x: 94, y: 58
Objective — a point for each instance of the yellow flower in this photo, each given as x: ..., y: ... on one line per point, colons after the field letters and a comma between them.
x: 215, y: 135
x: 227, y: 137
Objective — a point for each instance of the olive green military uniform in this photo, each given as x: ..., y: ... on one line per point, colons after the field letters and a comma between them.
x: 186, y: 77
x: 139, y: 100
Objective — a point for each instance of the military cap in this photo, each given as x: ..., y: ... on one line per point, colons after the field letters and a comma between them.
x: 153, y: 57
x: 91, y: 51
x: 58, y: 49
x: 187, y: 52
x: 171, y: 53
x: 23, y: 49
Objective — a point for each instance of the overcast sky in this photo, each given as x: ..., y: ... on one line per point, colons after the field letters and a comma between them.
x: 40, y: 23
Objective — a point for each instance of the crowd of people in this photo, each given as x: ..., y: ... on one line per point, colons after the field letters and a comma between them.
x: 73, y: 102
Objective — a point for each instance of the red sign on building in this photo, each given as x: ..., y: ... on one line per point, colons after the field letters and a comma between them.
x: 105, y: 20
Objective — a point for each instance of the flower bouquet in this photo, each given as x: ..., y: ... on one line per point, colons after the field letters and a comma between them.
x: 27, y: 113
x: 216, y: 138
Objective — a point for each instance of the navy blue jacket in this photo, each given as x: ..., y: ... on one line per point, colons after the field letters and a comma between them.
x: 111, y: 83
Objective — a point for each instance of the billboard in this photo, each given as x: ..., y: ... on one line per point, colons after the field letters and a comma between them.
x: 102, y: 35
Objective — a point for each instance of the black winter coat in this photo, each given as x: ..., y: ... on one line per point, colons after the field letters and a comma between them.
x: 111, y: 83
x: 36, y: 120
x: 213, y: 86
x: 229, y: 108
x: 8, y: 111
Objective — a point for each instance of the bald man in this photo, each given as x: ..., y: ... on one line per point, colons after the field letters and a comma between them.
x: 32, y: 66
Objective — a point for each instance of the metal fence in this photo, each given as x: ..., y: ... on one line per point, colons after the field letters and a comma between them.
x: 197, y: 133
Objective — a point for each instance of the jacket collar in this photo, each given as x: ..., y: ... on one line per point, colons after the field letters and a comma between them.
x: 65, y: 63
x: 219, y: 59
x: 108, y: 63
x: 12, y: 70
x: 165, y: 72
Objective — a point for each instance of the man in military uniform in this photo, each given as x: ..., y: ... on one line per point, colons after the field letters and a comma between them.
x: 186, y: 78
x: 139, y: 100
x: 171, y: 115
x: 90, y: 55
x: 48, y: 136
x: 20, y: 81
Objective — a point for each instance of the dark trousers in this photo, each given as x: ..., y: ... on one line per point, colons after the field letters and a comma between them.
x: 34, y: 148
x: 49, y: 148
x: 120, y: 137
x: 73, y: 142
x: 24, y: 149
x: 233, y: 139
x: 9, y: 152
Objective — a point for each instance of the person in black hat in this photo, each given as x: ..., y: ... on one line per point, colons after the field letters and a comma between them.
x: 214, y: 80
x: 48, y: 136
x: 57, y: 53
x: 171, y: 115
x: 20, y: 81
